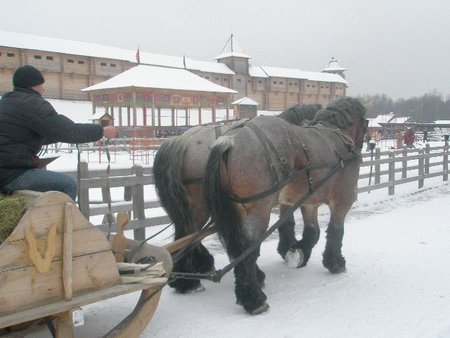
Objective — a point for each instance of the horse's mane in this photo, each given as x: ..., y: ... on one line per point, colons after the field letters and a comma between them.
x: 342, y: 112
x: 299, y: 113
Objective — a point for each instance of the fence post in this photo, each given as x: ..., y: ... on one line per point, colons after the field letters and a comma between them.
x: 83, y: 194
x: 391, y: 189
x: 445, y: 163
x: 377, y: 166
x: 138, y: 203
x: 420, y: 170
x: 404, y: 162
x: 427, y: 158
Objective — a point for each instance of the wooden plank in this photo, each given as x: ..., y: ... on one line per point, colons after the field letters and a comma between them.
x: 68, y: 252
x: 24, y: 288
x: 62, y: 305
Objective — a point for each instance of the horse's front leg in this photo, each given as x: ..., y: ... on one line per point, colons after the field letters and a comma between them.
x: 300, y: 252
x: 332, y: 256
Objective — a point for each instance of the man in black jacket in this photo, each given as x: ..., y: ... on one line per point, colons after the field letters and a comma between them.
x: 27, y: 122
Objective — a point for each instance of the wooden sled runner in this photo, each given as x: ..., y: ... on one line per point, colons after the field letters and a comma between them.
x: 56, y: 261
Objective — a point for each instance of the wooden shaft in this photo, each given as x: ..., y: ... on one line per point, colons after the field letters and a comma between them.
x: 68, y: 251
x: 179, y: 243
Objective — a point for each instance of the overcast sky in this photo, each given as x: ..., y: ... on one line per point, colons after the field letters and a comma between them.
x: 400, y: 48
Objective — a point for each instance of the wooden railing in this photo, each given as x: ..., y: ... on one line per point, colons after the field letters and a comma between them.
x: 388, y: 169
x: 379, y: 170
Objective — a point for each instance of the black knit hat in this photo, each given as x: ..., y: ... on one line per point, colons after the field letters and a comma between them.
x: 27, y: 76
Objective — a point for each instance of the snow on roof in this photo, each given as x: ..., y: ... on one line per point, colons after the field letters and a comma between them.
x: 245, y: 101
x: 211, y: 67
x: 145, y: 76
x: 26, y: 41
x: 267, y: 71
x: 325, y: 77
x: 333, y: 65
x: 383, y: 118
x: 283, y: 72
x: 400, y: 119
x: 232, y: 48
x: 256, y: 71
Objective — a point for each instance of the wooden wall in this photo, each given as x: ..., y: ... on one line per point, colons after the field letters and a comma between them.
x: 67, y: 74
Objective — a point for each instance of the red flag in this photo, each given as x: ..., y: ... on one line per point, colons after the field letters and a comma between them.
x: 138, y: 57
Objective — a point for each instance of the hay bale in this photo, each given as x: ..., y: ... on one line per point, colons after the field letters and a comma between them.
x: 12, y: 209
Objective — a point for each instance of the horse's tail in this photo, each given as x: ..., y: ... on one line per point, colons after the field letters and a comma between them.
x: 167, y: 169
x: 223, y: 210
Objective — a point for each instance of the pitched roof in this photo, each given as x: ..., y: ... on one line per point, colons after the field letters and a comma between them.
x: 245, y: 101
x: 144, y: 76
x: 333, y: 65
x: 232, y: 48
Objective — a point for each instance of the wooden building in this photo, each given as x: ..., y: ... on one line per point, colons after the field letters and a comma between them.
x: 70, y: 66
x: 150, y: 101
x: 244, y: 108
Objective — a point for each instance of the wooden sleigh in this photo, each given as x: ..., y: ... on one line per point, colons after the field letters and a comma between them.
x: 56, y: 261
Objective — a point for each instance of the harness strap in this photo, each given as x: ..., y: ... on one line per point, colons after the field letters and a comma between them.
x: 266, y: 144
x: 218, y: 132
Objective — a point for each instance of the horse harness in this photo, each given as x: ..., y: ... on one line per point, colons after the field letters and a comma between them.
x: 353, y: 155
x: 282, y: 173
x: 218, y: 132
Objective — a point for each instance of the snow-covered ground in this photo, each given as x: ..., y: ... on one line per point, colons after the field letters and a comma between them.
x: 397, y: 282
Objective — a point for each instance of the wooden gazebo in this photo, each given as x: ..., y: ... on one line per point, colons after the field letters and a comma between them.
x: 151, y: 101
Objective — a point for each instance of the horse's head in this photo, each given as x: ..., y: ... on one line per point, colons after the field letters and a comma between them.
x: 300, y: 114
x: 347, y: 114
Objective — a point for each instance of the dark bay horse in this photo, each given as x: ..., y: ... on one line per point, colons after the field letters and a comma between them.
x: 270, y: 161
x: 179, y: 168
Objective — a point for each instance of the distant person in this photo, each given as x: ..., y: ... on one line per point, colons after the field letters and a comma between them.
x: 425, y: 136
x: 409, y: 138
x: 368, y: 138
x: 28, y: 122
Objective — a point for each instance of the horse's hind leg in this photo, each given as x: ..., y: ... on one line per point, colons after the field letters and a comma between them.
x: 248, y: 288
x: 300, y: 252
x: 286, y: 232
x: 249, y: 278
x: 332, y: 256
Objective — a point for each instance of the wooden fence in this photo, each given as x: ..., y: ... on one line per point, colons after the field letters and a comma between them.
x: 379, y: 170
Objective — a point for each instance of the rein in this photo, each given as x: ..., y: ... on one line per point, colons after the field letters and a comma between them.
x: 217, y: 275
x: 108, y: 189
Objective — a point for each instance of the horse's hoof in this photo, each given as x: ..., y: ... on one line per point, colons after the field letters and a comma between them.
x: 188, y: 289
x: 199, y: 288
x: 294, y: 258
x: 263, y: 308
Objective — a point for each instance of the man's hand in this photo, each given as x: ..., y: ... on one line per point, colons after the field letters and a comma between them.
x: 110, y: 132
